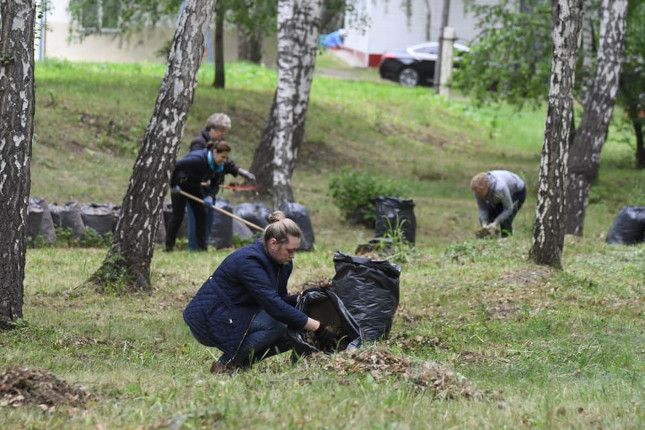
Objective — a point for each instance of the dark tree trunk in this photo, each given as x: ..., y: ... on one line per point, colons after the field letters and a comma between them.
x: 218, y: 43
x: 17, y: 106
x: 275, y: 156
x: 584, y: 155
x: 640, y: 149
x: 127, y: 263
x: 249, y: 45
x: 445, y: 14
x: 548, y: 232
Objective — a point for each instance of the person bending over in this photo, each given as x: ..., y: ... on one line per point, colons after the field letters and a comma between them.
x: 190, y: 172
x: 216, y: 127
x: 500, y: 195
x: 243, y: 308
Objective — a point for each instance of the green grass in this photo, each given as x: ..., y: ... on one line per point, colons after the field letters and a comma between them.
x: 565, y: 349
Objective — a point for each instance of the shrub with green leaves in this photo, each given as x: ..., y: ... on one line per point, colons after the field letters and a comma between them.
x: 354, y: 193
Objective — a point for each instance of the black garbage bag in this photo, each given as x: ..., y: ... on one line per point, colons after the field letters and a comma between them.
x: 325, y: 306
x: 257, y: 213
x: 160, y: 234
x: 99, y: 217
x: 391, y: 213
x: 222, y: 226
x: 68, y: 216
x: 628, y: 227
x: 241, y: 231
x: 370, y: 291
x: 300, y: 215
x: 39, y: 221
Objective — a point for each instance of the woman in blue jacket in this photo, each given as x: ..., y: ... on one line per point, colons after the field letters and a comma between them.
x: 243, y: 308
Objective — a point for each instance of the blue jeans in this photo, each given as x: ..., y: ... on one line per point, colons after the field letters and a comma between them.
x: 192, y: 227
x: 262, y: 340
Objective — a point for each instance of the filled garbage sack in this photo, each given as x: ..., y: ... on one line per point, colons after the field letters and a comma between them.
x: 257, y: 213
x: 628, y: 227
x: 241, y: 231
x: 160, y: 234
x: 393, y: 213
x: 370, y: 291
x: 221, y: 235
x: 39, y: 221
x: 68, y: 216
x: 300, y: 215
x: 100, y: 217
x: 167, y: 216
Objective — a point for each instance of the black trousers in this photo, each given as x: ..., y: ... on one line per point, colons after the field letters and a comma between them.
x: 507, y: 225
x: 178, y: 211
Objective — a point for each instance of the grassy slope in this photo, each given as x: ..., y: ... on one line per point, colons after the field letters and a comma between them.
x: 565, y: 347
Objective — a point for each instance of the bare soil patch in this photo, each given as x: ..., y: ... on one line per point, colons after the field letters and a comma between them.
x: 21, y: 386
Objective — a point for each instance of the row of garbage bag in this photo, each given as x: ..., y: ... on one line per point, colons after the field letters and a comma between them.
x: 44, y: 218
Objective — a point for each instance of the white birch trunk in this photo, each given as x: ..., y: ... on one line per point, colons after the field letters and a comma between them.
x: 275, y: 157
x: 584, y: 159
x: 548, y: 233
x: 129, y: 257
x: 17, y: 104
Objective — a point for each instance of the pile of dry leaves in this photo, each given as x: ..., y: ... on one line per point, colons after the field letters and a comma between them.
x: 21, y: 386
x: 380, y: 363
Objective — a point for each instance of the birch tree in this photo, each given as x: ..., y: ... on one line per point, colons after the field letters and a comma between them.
x: 275, y: 156
x: 600, y: 98
x: 17, y: 104
x: 127, y: 263
x: 548, y: 232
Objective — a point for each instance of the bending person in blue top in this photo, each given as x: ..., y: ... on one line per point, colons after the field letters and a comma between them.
x: 243, y: 308
x: 500, y: 194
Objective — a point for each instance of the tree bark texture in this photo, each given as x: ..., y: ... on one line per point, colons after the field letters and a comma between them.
x: 587, y: 42
x: 275, y: 156
x: 445, y: 14
x: 218, y: 43
x: 584, y: 157
x: 548, y: 232
x: 127, y: 263
x: 17, y: 104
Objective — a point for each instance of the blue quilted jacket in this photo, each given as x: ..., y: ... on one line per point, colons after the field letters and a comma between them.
x: 247, y: 281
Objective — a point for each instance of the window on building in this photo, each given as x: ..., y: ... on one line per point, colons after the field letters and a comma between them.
x: 101, y: 15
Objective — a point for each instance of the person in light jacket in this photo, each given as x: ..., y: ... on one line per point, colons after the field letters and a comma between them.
x: 243, y: 308
x: 500, y: 194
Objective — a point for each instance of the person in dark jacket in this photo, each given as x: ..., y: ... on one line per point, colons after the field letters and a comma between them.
x: 500, y: 194
x: 190, y: 172
x: 216, y: 127
x: 243, y: 308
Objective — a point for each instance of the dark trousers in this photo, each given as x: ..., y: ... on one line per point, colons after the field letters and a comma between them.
x: 507, y: 225
x: 178, y: 211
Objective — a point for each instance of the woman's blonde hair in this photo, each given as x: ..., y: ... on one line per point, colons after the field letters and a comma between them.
x: 480, y: 184
x: 280, y: 228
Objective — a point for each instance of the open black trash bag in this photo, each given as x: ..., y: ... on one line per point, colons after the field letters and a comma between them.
x: 370, y: 291
x: 392, y: 213
x: 325, y: 306
x: 222, y: 226
x: 101, y: 218
x: 628, y: 227
x: 39, y: 221
x: 300, y: 215
x: 68, y: 216
x: 256, y: 213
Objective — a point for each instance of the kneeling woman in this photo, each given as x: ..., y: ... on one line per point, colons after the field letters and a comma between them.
x: 243, y: 309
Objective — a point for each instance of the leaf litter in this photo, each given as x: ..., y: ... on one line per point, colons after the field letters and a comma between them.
x: 430, y: 376
x: 20, y: 386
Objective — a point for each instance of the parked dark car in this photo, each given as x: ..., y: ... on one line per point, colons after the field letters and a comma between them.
x: 414, y: 65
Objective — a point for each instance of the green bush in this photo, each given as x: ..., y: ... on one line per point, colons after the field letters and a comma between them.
x: 354, y: 193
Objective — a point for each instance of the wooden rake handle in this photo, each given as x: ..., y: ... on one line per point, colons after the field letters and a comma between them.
x: 220, y: 210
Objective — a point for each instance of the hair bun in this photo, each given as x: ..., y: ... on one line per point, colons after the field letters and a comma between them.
x: 277, y: 216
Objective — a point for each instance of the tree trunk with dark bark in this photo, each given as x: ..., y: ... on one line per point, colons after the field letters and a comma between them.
x: 17, y: 104
x: 584, y: 155
x: 218, y: 43
x: 249, y: 45
x: 548, y: 232
x: 127, y: 264
x: 275, y: 156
